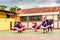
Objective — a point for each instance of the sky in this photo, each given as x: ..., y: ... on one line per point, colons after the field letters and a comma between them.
x: 24, y: 4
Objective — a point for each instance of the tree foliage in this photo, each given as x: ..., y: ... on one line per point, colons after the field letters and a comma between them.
x: 3, y: 7
x: 13, y: 9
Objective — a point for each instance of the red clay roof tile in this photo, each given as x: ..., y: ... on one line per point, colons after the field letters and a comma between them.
x: 40, y: 10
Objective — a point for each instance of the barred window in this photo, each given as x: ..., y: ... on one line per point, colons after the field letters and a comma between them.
x: 8, y: 16
x: 35, y: 18
x: 59, y: 17
x: 23, y: 18
x: 12, y: 16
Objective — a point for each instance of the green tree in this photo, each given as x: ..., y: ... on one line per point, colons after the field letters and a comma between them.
x: 3, y: 7
x: 18, y: 9
x: 14, y: 9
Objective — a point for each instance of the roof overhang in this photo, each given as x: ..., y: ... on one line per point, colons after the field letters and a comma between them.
x: 34, y: 14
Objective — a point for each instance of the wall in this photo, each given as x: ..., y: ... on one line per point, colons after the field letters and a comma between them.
x: 5, y: 22
x: 49, y: 15
x: 2, y: 14
x: 53, y: 17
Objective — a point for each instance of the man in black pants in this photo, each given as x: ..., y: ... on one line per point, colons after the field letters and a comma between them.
x: 49, y: 22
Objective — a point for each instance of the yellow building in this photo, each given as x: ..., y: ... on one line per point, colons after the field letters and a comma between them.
x: 6, y: 20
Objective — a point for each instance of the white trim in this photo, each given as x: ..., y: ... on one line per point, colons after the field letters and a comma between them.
x: 33, y: 14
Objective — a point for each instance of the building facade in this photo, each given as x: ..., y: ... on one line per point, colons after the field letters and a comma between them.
x: 38, y: 14
x: 6, y: 19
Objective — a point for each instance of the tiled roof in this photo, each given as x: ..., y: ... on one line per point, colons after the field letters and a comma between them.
x: 40, y: 10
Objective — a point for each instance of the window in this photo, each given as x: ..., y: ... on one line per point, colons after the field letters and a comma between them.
x: 35, y: 18
x: 12, y: 16
x: 8, y: 16
x: 24, y: 18
x: 59, y: 17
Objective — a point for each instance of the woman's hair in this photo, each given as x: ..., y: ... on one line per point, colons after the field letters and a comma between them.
x: 43, y: 22
x: 19, y: 22
x: 35, y: 23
